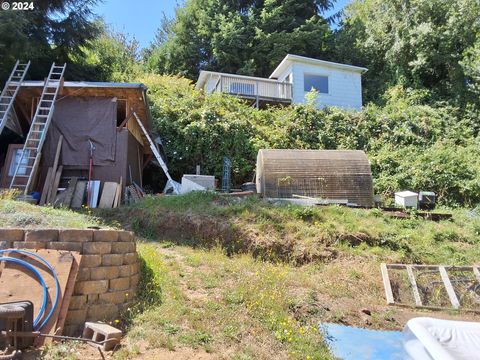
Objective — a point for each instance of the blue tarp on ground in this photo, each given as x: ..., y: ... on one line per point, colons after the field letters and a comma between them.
x: 349, y: 343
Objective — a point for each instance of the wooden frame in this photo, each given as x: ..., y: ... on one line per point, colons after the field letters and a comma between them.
x: 452, y: 295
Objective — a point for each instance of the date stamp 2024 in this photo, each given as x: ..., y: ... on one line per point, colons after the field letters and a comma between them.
x: 17, y: 5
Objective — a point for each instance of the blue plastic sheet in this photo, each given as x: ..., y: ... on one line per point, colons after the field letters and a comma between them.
x: 349, y: 343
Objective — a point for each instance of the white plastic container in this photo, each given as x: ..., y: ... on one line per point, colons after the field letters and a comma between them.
x: 406, y: 199
x: 435, y: 339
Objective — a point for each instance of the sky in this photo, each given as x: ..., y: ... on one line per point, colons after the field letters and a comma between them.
x: 141, y: 18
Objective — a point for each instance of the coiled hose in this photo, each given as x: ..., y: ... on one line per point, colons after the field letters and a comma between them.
x: 30, y: 267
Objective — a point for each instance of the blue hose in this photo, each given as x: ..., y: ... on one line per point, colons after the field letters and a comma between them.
x: 42, y: 282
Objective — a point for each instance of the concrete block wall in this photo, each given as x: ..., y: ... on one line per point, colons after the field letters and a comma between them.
x: 108, y: 275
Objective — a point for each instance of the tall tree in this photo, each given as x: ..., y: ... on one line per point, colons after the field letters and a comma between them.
x: 416, y: 43
x: 52, y: 31
x: 242, y: 36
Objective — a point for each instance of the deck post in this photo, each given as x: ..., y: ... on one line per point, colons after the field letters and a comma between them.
x: 257, y: 98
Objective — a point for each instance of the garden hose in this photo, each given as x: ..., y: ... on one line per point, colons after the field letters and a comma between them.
x: 41, y: 280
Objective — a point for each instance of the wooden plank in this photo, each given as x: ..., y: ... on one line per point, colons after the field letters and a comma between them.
x: 78, y: 195
x: 449, y: 287
x: 118, y: 193
x: 386, y: 284
x: 50, y: 197
x: 108, y: 195
x: 413, y: 283
x: 55, y: 183
x: 67, y: 295
x: 67, y: 200
x: 46, y: 186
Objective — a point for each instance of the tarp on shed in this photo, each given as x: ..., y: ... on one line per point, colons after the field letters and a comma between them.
x: 80, y: 119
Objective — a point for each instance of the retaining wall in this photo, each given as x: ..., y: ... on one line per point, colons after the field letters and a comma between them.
x: 108, y: 275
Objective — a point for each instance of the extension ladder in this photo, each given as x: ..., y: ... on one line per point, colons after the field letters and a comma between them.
x: 31, y: 153
x: 10, y: 91
x: 175, y: 186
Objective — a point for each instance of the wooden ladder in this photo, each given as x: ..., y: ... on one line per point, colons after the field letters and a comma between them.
x: 10, y: 91
x: 31, y: 153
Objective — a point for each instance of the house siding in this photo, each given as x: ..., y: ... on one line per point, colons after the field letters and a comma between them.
x: 345, y: 87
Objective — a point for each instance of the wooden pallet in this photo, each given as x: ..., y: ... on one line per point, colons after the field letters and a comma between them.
x: 443, y: 272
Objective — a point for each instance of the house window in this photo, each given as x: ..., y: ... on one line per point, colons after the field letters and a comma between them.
x: 317, y: 82
x: 22, y: 170
x: 242, y: 88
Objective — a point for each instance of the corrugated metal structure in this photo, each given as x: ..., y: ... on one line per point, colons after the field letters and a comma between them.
x: 326, y: 174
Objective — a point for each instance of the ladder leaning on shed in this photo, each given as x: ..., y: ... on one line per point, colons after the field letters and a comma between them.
x: 31, y: 152
x: 10, y: 91
x: 175, y: 186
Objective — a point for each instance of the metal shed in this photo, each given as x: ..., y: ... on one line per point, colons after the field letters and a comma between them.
x: 326, y: 174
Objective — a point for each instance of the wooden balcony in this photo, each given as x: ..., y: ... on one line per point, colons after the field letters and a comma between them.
x: 254, y: 88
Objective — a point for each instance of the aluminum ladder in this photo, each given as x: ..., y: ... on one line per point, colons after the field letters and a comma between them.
x: 10, y: 91
x: 171, y: 184
x: 31, y: 153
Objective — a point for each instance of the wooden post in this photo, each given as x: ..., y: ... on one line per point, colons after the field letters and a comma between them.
x: 413, y: 282
x: 449, y: 287
x: 197, y: 170
x: 386, y: 284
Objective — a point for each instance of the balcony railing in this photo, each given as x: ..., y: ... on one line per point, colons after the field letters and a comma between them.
x: 253, y: 87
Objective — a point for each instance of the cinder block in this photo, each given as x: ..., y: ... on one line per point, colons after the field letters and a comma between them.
x: 102, y: 312
x: 126, y: 236
x: 34, y: 245
x: 44, y: 235
x: 124, y: 270
x: 104, y: 273
x: 115, y: 297
x: 135, y: 268
x: 66, y: 246
x: 112, y: 260
x: 105, y: 235
x: 97, y: 247
x: 102, y: 333
x: 11, y: 234
x: 89, y: 261
x: 134, y: 280
x: 77, y: 302
x: 119, y: 284
x: 130, y: 258
x: 123, y: 247
x: 83, y: 274
x: 75, y: 235
x: 6, y: 244
x: 76, y: 317
x: 92, y: 299
x: 91, y: 287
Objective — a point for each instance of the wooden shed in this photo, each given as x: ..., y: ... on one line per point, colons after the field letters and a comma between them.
x: 326, y: 174
x: 85, y: 112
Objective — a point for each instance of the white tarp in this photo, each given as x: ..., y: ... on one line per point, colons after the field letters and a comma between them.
x: 436, y: 339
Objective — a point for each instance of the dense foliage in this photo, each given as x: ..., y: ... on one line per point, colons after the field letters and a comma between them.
x: 245, y: 37
x: 410, y: 145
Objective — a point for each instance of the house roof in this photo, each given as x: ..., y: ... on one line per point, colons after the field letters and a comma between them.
x: 290, y: 58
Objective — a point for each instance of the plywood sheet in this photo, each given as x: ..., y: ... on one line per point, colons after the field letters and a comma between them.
x: 108, y: 195
x: 18, y: 284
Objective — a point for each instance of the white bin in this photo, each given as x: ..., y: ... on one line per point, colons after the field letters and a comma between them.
x: 406, y: 199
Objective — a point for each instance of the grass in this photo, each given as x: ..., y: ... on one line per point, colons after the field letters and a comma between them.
x: 223, y: 305
x: 245, y: 279
x: 21, y: 214
x: 298, y: 234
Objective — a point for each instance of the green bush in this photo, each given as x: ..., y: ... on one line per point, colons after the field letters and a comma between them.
x: 410, y: 145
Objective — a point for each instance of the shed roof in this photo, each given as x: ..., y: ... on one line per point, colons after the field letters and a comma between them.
x: 290, y: 58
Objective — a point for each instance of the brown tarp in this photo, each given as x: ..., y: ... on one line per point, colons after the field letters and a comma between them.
x: 80, y: 119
